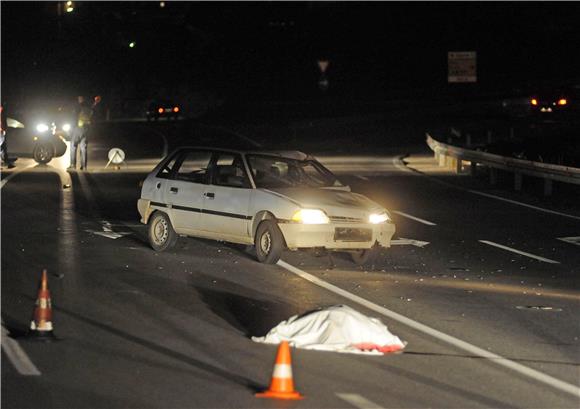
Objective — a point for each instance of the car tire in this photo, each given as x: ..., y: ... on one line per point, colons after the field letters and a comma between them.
x: 160, y: 232
x: 268, y: 242
x: 366, y: 256
x: 43, y: 153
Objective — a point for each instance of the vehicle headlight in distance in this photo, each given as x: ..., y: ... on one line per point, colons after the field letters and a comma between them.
x: 66, y: 127
x: 376, y: 218
x: 42, y: 127
x: 310, y: 216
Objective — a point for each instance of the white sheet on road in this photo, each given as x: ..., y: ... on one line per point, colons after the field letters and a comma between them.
x: 338, y: 328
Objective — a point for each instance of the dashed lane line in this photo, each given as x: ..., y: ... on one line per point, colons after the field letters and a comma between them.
x: 571, y: 240
x: 417, y: 219
x: 456, y: 342
x: 358, y: 401
x: 17, y: 356
x: 523, y: 253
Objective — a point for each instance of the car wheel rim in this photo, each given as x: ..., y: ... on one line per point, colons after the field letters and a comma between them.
x: 160, y: 231
x: 43, y: 153
x: 266, y: 242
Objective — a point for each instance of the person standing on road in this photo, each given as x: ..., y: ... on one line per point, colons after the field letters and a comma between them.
x: 83, y: 115
x: 3, y: 143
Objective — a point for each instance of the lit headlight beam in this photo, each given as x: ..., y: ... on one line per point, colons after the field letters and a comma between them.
x: 42, y: 127
x: 310, y: 216
x: 377, y: 218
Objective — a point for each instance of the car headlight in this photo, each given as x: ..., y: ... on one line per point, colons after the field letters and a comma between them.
x: 66, y: 127
x: 42, y: 127
x: 376, y: 218
x: 310, y: 216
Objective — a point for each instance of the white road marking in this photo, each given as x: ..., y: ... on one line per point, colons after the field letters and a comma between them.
x: 408, y: 216
x: 571, y: 240
x: 409, y: 242
x: 398, y: 163
x: 541, y: 209
x: 358, y: 401
x: 361, y: 177
x: 456, y: 342
x: 523, y: 253
x: 14, y: 173
x: 17, y: 356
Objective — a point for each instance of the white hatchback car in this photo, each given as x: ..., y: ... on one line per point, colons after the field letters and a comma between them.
x: 272, y: 200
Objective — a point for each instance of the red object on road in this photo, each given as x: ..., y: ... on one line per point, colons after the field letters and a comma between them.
x: 282, y: 384
x: 41, y: 324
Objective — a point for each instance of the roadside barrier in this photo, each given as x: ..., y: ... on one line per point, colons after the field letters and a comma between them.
x: 41, y: 324
x: 282, y: 384
x: 455, y: 157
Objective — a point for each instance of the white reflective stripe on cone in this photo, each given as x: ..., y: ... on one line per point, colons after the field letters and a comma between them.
x: 282, y: 371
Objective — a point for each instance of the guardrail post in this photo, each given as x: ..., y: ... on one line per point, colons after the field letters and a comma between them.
x: 489, y: 137
x: 547, y: 187
x: 493, y: 176
x: 517, y: 181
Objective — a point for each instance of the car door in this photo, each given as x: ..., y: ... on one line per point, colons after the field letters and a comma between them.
x: 227, y: 199
x: 184, y: 190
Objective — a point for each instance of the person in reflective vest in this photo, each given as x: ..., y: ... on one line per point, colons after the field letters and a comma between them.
x: 83, y: 115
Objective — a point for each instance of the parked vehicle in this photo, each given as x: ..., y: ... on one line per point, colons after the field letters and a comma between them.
x: 162, y: 109
x: 41, y: 143
x: 272, y: 200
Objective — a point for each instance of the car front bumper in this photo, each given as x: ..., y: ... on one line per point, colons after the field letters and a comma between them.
x: 337, y: 236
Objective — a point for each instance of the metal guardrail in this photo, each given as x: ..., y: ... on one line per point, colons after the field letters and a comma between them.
x: 519, y: 167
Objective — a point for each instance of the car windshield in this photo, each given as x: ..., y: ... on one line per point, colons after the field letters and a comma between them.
x: 277, y: 172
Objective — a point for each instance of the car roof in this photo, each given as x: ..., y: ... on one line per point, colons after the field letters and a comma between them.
x: 296, y: 155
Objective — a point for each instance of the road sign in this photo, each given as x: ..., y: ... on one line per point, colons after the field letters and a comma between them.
x: 116, y: 156
x: 323, y: 65
x: 462, y: 66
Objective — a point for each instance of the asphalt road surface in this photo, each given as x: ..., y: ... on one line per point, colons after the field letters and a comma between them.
x: 485, y: 292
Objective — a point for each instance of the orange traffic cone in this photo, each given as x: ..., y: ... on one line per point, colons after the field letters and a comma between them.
x: 282, y: 385
x: 41, y: 324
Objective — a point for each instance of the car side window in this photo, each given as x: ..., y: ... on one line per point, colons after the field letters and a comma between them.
x: 193, y: 167
x: 165, y: 172
x: 228, y: 170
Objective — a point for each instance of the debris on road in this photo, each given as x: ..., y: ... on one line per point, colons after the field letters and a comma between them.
x: 337, y: 328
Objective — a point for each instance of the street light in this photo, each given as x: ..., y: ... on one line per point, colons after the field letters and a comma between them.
x: 132, y: 44
x: 69, y: 6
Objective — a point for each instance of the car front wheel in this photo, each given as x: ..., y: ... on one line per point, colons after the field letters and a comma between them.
x: 43, y: 153
x: 269, y: 242
x: 161, y: 233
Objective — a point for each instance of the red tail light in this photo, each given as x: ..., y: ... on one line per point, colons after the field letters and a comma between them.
x: 160, y: 110
x: 176, y: 109
x: 534, y: 101
x: 562, y: 101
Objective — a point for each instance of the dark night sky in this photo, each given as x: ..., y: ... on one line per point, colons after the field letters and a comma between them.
x: 269, y: 49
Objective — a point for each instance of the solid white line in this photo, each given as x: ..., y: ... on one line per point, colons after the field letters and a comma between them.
x: 358, y: 401
x: 471, y: 349
x: 361, y: 177
x: 541, y: 209
x: 523, y: 253
x: 17, y: 356
x: 14, y: 173
x: 408, y: 216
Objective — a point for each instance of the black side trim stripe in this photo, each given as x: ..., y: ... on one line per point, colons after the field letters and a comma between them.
x: 206, y: 211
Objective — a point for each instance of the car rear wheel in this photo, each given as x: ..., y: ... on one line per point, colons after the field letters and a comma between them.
x: 161, y: 233
x: 43, y: 153
x: 269, y: 242
x: 366, y: 256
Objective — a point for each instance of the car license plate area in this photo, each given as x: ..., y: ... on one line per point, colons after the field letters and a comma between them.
x: 352, y: 234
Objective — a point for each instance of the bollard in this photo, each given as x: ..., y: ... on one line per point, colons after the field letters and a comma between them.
x: 517, y: 181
